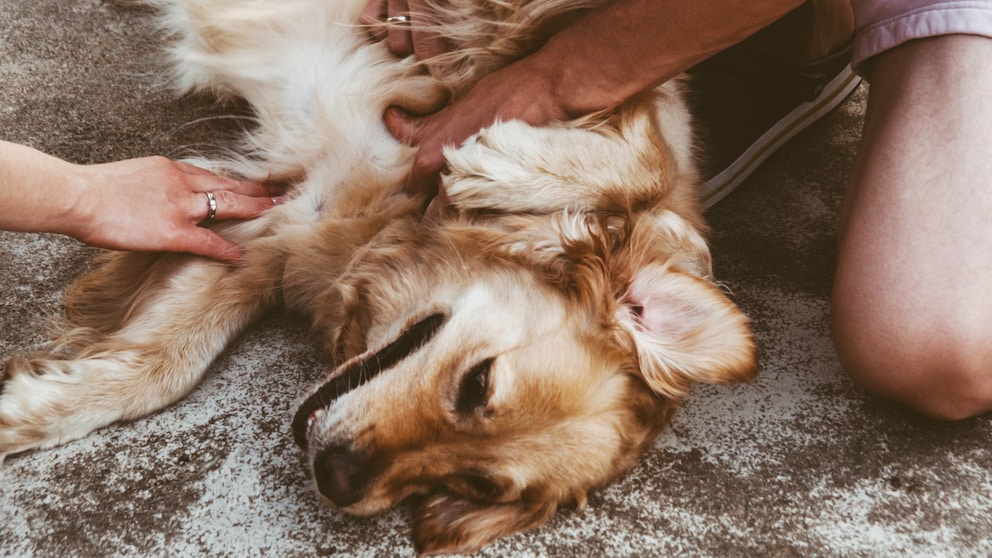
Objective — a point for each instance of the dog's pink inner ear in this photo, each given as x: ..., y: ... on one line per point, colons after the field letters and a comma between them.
x: 658, y: 311
x: 685, y: 331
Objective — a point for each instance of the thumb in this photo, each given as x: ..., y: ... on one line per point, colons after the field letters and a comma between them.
x: 429, y: 162
x: 204, y: 242
x: 402, y: 125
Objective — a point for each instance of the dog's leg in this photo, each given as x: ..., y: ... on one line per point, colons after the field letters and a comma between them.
x: 143, y: 335
x: 448, y: 524
x: 631, y: 159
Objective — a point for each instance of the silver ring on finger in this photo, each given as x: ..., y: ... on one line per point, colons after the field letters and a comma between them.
x: 398, y: 20
x: 211, y: 206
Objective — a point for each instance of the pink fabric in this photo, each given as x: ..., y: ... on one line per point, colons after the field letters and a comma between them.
x: 883, y: 24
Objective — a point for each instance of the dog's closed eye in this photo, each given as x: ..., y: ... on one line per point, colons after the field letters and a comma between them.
x: 474, y: 390
x: 480, y: 487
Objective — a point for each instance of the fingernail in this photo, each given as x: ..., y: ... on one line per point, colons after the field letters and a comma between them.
x: 234, y: 257
x: 398, y: 112
x: 278, y: 200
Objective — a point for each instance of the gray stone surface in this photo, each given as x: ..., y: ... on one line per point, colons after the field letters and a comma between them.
x: 797, y: 463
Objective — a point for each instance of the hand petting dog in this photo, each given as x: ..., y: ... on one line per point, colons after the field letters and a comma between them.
x: 146, y: 204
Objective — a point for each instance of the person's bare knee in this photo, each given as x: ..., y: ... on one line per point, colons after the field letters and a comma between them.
x: 941, y: 367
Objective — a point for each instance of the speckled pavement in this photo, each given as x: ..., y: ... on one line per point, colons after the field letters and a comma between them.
x: 798, y: 463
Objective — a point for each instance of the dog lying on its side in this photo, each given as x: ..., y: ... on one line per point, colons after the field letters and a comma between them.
x: 504, y: 359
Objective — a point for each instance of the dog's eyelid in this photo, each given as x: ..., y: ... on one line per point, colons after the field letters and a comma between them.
x: 482, y: 486
x: 475, y: 387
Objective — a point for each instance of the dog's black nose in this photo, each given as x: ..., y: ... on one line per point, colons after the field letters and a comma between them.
x: 338, y: 471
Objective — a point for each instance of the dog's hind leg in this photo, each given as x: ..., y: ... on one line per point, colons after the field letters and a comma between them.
x: 145, y: 329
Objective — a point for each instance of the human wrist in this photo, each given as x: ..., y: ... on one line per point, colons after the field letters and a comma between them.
x: 585, y: 73
x: 72, y: 201
x: 557, y: 88
x: 541, y: 85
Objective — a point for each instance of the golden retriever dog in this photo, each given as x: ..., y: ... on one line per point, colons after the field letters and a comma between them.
x: 498, y: 361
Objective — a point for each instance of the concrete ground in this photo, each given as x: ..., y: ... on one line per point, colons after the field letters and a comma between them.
x: 798, y: 463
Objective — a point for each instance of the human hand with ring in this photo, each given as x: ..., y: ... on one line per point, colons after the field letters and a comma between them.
x: 157, y: 204
x: 143, y: 204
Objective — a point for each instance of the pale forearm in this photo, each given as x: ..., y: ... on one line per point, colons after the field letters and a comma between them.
x: 628, y: 46
x: 37, y: 191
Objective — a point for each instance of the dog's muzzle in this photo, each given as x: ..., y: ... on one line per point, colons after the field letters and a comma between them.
x: 362, y: 370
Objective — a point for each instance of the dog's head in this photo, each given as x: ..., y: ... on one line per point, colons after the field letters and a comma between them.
x: 502, y: 371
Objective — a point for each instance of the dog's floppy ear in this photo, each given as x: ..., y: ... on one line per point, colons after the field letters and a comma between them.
x: 450, y: 524
x: 684, y: 330
x: 680, y: 326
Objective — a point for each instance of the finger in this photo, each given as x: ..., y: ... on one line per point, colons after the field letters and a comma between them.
x: 425, y: 174
x: 209, y: 180
x: 258, y: 189
x: 230, y: 205
x: 403, y: 125
x: 429, y: 162
x: 204, y: 242
x: 373, y: 17
x: 206, y: 181
x: 438, y: 204
x: 203, y: 180
x: 398, y: 39
x: 192, y: 169
x: 215, y: 183
x: 425, y: 44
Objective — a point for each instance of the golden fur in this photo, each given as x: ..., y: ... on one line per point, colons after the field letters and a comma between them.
x: 501, y: 361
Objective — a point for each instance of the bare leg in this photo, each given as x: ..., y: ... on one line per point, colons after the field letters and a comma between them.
x: 912, y: 309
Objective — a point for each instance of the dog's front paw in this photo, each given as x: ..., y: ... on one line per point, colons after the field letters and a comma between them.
x: 518, y: 168
x: 499, y: 168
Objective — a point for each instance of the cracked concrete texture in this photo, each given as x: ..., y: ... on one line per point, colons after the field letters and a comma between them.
x: 798, y: 463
